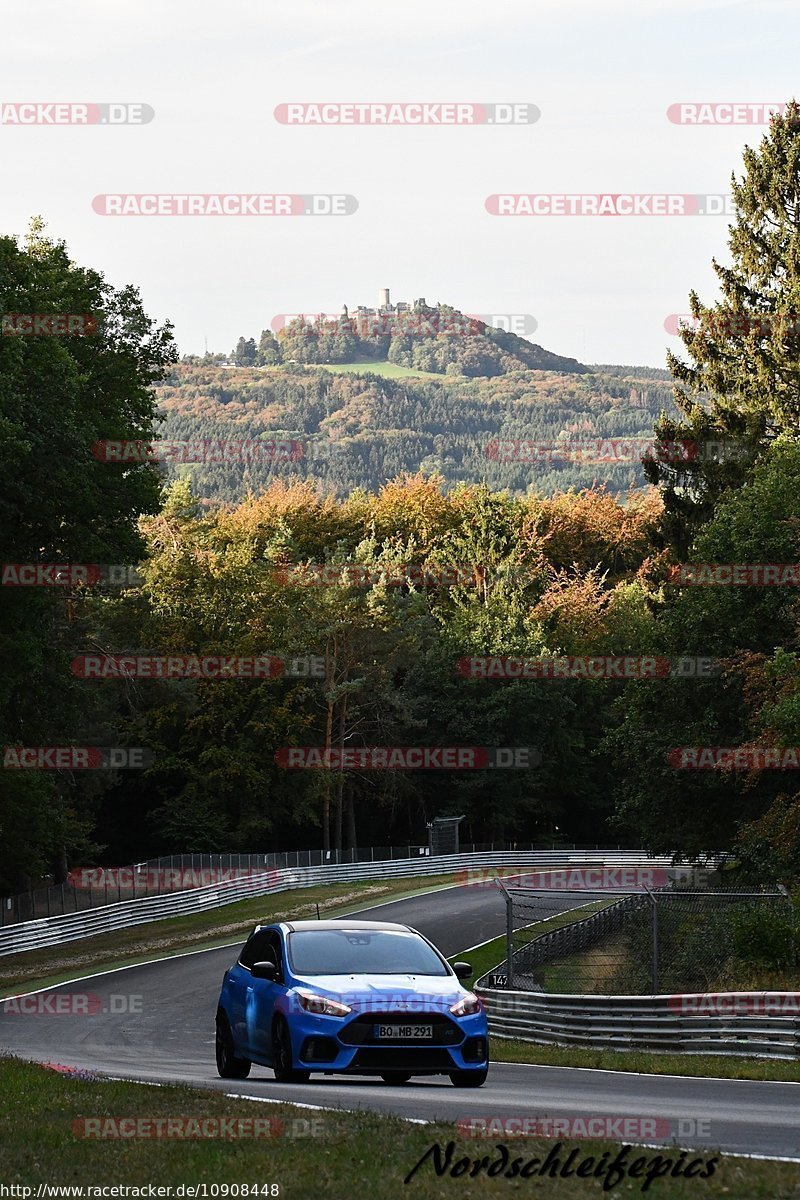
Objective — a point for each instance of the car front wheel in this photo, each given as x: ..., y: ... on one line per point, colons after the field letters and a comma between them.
x: 228, y: 1065
x: 282, y: 1065
x: 468, y: 1078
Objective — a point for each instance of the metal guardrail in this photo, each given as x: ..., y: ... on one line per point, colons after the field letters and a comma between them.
x: 328, y: 858
x: 736, y: 1024
x: 92, y: 887
x: 53, y: 931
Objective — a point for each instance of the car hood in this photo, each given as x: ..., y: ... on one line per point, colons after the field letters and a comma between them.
x: 407, y: 993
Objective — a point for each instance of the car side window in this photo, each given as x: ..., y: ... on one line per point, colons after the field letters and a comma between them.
x: 263, y: 946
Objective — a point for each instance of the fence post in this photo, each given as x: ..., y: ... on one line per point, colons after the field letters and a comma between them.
x: 792, y: 927
x: 654, y: 904
x: 509, y: 934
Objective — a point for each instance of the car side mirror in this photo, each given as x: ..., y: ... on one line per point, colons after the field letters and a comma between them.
x: 463, y: 970
x: 264, y: 970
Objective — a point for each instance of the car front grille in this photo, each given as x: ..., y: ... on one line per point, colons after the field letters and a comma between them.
x: 361, y: 1030
x: 409, y: 1058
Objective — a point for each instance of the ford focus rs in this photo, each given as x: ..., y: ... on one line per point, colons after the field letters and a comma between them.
x: 346, y: 996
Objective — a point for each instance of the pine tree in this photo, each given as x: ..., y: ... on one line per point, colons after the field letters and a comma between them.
x: 740, y: 388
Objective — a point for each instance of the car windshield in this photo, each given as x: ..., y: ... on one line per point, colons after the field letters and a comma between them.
x: 362, y: 952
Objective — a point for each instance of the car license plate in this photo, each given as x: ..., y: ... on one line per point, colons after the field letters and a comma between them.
x: 403, y: 1032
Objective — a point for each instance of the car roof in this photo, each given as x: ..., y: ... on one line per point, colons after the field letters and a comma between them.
x: 342, y: 924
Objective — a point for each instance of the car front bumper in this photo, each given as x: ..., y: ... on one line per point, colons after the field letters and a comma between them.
x: 349, y: 1044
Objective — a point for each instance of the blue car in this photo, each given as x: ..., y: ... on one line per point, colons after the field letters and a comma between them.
x: 346, y: 996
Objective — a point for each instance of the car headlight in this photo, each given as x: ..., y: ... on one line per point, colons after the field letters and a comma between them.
x: 467, y: 1006
x: 322, y: 1005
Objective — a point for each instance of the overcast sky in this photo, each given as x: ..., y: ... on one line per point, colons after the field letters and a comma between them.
x: 602, y: 72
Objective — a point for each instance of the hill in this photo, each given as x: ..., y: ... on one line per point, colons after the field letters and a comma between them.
x: 525, y: 430
x: 437, y: 339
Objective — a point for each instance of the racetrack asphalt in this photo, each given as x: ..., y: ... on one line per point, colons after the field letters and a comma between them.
x: 155, y: 1022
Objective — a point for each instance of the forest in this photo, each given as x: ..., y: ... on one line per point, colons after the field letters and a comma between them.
x: 401, y: 573
x: 524, y: 431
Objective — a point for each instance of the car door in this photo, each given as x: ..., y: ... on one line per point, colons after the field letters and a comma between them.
x: 261, y: 997
x: 236, y: 983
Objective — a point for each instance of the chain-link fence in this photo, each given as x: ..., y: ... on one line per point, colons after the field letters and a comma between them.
x: 643, y: 941
x: 92, y: 887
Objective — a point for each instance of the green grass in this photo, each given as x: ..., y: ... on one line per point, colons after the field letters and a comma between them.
x: 491, y: 954
x: 387, y: 370
x: 313, y: 1154
x: 642, y: 1062
x: 371, y: 366
x: 198, y: 931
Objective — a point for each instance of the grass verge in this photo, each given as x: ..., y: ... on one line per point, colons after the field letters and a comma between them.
x: 197, y: 931
x: 642, y: 1062
x: 325, y: 1155
x: 387, y: 370
x: 490, y: 955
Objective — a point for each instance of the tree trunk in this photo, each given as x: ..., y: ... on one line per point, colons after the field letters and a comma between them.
x: 60, y: 866
x: 326, y: 799
x: 351, y: 817
x: 341, y: 777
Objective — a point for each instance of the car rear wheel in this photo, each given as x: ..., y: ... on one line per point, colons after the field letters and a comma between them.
x: 228, y: 1065
x: 395, y: 1077
x: 282, y: 1065
x: 468, y: 1078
